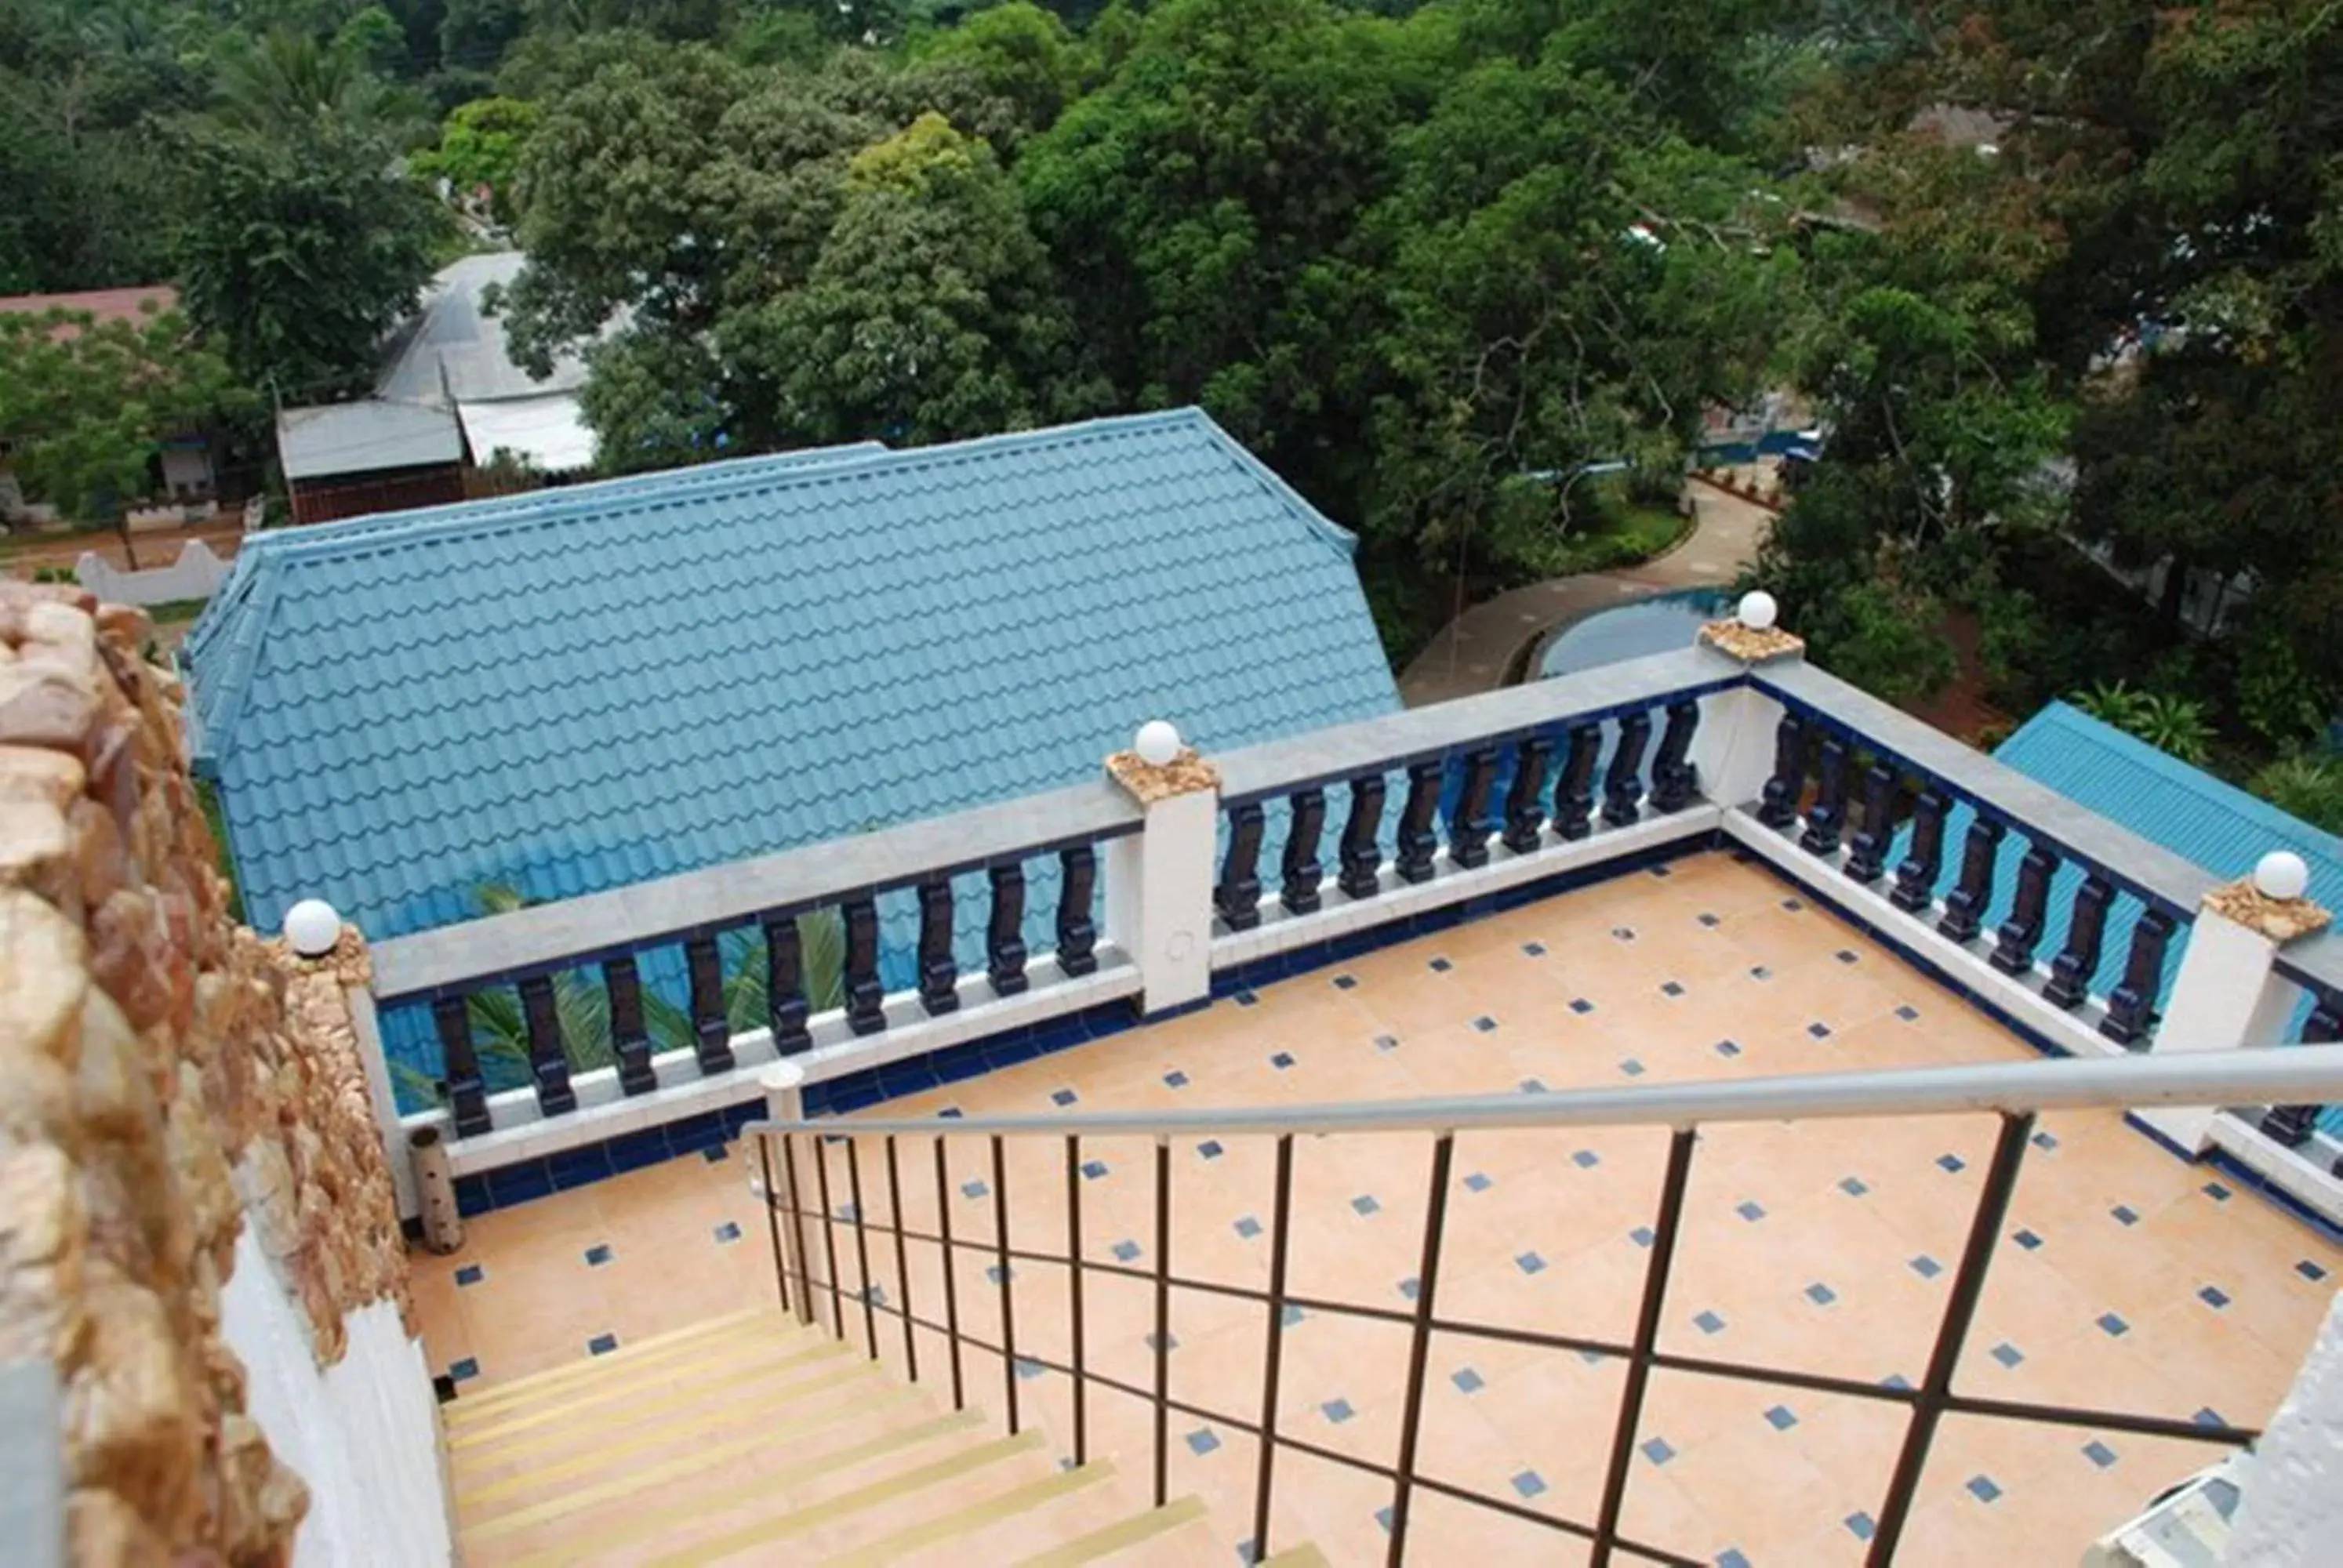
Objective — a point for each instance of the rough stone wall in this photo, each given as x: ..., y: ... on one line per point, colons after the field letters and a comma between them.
x: 164, y: 1074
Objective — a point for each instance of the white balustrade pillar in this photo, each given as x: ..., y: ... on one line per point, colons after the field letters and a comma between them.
x: 1159, y: 881
x: 2290, y: 1513
x: 2229, y: 993
x: 1734, y: 747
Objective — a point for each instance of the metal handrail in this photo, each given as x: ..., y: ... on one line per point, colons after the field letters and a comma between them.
x: 2264, y: 1076
x: 2015, y: 1092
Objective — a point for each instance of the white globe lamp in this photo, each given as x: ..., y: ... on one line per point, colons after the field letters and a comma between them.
x: 312, y: 928
x: 1157, y: 743
x: 2281, y: 874
x: 1757, y: 611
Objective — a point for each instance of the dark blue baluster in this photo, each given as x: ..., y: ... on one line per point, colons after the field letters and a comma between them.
x: 1787, y: 783
x: 548, y: 1055
x: 2131, y: 1006
x: 939, y: 971
x: 1004, y: 932
x: 1915, y: 878
x: 1965, y: 906
x: 1468, y: 830
x: 2071, y: 971
x: 1525, y: 798
x: 468, y: 1094
x: 865, y: 1010
x: 1417, y: 841
x: 1299, y: 890
x: 1866, y: 852
x: 1673, y: 777
x: 2292, y: 1125
x: 1363, y: 857
x: 1622, y: 781
x: 1828, y: 817
x: 2013, y: 954
x: 786, y: 1005
x: 1237, y: 897
x: 711, y: 1025
x: 1573, y: 793
x: 629, y: 1041
x: 1076, y: 932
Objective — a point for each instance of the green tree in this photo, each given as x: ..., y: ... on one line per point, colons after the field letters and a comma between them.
x: 87, y: 405
x: 480, y: 147
x: 300, y: 253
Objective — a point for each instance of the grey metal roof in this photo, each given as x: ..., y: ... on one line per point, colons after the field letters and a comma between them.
x: 454, y: 350
x: 364, y: 438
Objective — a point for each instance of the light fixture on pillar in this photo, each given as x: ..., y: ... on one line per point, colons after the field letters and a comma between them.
x: 1157, y: 743
x: 312, y: 929
x: 1757, y: 610
x: 2282, y: 875
x: 1751, y: 634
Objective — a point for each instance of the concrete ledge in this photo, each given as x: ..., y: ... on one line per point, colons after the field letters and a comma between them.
x: 2305, y: 1184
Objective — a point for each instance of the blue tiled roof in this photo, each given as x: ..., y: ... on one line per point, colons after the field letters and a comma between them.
x: 580, y: 690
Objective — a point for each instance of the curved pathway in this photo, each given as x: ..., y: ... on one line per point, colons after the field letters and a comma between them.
x: 1473, y: 652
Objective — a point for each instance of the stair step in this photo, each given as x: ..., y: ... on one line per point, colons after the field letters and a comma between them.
x: 777, y: 1497
x: 699, y: 1460
x: 514, y: 1468
x: 1305, y: 1555
x: 1126, y: 1541
x: 657, y: 1347
x: 723, y: 1363
x: 962, y: 1533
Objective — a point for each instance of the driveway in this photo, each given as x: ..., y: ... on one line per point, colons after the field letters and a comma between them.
x: 1473, y: 652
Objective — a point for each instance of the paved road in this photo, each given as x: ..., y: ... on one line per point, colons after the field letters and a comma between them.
x: 1471, y: 652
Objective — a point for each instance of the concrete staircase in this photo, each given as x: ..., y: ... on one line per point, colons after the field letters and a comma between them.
x: 750, y: 1439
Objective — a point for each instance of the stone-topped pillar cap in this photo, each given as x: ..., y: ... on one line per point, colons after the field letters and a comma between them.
x: 1157, y: 767
x: 1750, y: 635
x: 2273, y: 900
x: 348, y: 959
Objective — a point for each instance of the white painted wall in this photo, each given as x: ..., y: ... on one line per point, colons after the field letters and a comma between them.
x: 1158, y: 899
x: 364, y: 1432
x: 197, y: 574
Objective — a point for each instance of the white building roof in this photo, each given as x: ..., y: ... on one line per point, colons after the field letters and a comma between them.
x: 364, y: 438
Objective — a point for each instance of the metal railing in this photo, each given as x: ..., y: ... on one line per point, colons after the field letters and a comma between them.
x: 796, y: 1159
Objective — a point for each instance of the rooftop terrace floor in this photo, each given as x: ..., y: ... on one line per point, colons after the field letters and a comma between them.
x: 2126, y: 1279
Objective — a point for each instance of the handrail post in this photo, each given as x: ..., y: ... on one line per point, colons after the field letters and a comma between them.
x: 1666, y: 1225
x: 1160, y: 881
x: 1280, y: 1240
x: 784, y: 1087
x: 1427, y: 1279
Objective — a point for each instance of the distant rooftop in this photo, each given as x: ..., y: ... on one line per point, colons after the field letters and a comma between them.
x: 365, y: 437
x: 582, y: 689
x: 453, y: 350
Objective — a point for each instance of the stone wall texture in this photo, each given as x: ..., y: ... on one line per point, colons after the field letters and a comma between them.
x: 166, y: 1078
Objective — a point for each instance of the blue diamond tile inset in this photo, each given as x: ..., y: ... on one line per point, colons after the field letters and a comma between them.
x: 1732, y: 1557
x: 2214, y: 1296
x: 2027, y: 1239
x: 470, y: 1274
x: 1281, y: 1060
x: 1822, y: 1296
x: 1248, y: 1227
x: 1441, y: 966
x: 1201, y: 1440
x: 1093, y: 1169
x: 1819, y: 1030
x: 714, y: 1156
x: 2310, y: 1271
x: 1708, y: 920
x: 2114, y: 1325
x: 1292, y: 1315
x: 1632, y: 1067
x: 1926, y: 1266
x: 1952, y: 1162
x: 1759, y: 971
x: 1793, y: 905
x: 602, y: 1344
x: 1641, y: 1235
x: 1586, y: 1158
x: 1411, y: 1287
x: 1169, y: 1345
x: 1672, y: 988
x: 2216, y: 1191
x: 1384, y: 1517
x: 1708, y: 1324
x: 1478, y: 1182
x: 1845, y: 955
x: 1658, y: 1450
x: 1126, y: 1252
x: 1728, y: 1047
x: 1782, y: 1418
x: 728, y: 1233
x: 1063, y: 1096
x: 973, y: 1189
x: 1897, y: 1382
x: 1625, y: 933
x: 1365, y: 1204
x: 598, y: 1254
x: 2099, y: 1453
x: 2007, y: 1354
x: 1386, y: 1043
x: 1907, y: 1013
x: 1338, y: 1411
x: 1485, y: 1024
x: 2208, y: 1416
x: 1175, y: 1079
x: 1467, y: 1380
x: 1855, y: 1186
x: 1983, y: 1489
x: 1028, y: 1368
x: 2045, y: 1141
x: 1750, y: 1210
x: 952, y: 1113
x: 1535, y: 950
x: 1245, y: 998
x: 1580, y: 1005
x: 1529, y: 1263
x: 1210, y: 1149
x: 995, y: 1275
x: 1861, y: 1526
x: 1533, y: 1086
x: 1346, y: 982
x: 465, y: 1369
x: 1529, y: 1483
x: 2125, y: 1214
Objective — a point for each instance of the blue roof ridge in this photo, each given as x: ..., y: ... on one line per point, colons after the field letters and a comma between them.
x: 2057, y: 714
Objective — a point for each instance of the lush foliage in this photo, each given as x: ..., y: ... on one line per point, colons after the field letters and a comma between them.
x: 2167, y: 722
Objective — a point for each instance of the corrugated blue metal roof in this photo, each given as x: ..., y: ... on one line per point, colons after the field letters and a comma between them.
x: 585, y: 688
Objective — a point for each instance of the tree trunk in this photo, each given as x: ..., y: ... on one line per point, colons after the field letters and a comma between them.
x: 2176, y: 589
